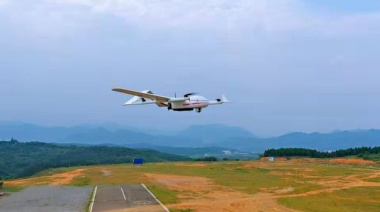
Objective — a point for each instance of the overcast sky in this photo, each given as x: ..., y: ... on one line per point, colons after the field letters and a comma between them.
x: 289, y: 65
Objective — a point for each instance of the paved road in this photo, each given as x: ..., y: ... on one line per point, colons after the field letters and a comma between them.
x: 47, y: 199
x: 125, y: 198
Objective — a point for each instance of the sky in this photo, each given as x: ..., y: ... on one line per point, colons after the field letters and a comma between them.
x: 285, y: 66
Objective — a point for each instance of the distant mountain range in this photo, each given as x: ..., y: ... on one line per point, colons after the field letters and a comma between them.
x: 198, y: 152
x: 197, y: 136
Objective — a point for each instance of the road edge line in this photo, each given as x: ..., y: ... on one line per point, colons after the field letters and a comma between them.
x: 122, y: 191
x: 166, y: 209
x: 93, y: 199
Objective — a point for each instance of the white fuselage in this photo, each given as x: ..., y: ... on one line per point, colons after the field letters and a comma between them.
x: 193, y: 102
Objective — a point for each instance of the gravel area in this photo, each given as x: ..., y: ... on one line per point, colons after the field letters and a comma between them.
x: 47, y: 199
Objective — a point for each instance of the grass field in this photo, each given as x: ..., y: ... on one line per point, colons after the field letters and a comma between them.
x: 292, y: 185
x: 352, y: 199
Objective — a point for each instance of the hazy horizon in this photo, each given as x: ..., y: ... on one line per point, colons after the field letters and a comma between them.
x: 164, y: 130
x: 289, y: 66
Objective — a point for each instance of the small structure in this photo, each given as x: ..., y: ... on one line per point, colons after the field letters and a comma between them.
x: 227, y: 152
x: 271, y: 159
x: 138, y: 161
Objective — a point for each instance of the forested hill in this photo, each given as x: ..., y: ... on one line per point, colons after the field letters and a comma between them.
x: 18, y: 159
x: 369, y: 153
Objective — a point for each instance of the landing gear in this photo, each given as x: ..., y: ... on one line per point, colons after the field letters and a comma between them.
x: 198, y: 110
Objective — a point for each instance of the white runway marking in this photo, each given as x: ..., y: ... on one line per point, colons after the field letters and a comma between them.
x: 165, y: 208
x: 123, y: 193
x: 93, y: 199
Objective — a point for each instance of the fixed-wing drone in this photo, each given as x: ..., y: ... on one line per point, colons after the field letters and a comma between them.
x: 188, y: 102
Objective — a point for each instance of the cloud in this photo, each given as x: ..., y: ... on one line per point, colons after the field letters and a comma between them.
x: 200, y: 14
x: 273, y: 17
x: 4, y: 3
x: 41, y: 18
x: 355, y: 24
x: 252, y: 15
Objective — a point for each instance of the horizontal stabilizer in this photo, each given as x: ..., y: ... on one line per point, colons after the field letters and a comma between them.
x: 219, y: 101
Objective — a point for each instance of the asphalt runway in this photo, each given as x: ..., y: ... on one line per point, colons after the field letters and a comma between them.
x: 47, y: 199
x: 120, y: 198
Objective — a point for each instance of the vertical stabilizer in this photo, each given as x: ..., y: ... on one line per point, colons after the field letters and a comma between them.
x: 224, y: 99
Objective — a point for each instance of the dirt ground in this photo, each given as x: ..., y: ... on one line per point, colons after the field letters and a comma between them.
x: 201, y: 194
x: 55, y: 179
x: 351, y: 161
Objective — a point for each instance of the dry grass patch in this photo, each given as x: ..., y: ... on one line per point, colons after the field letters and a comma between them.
x: 62, y: 178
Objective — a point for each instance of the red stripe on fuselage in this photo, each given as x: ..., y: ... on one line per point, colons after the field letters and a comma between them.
x: 195, y: 103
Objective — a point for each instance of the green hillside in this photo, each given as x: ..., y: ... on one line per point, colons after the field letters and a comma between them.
x: 367, y: 153
x: 19, y: 159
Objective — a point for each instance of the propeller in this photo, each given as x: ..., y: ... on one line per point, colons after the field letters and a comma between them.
x: 189, y: 94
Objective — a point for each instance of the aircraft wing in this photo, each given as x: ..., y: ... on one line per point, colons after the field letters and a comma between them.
x: 153, y: 97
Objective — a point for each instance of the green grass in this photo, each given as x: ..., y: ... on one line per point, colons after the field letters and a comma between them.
x: 89, y: 201
x: 353, y: 199
x: 11, y: 188
x: 222, y: 173
x: 163, y: 194
x: 80, y: 181
x: 52, y: 171
x: 230, y: 174
x: 376, y: 180
x: 374, y: 157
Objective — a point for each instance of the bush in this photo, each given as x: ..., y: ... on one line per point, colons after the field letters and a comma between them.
x: 207, y: 159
